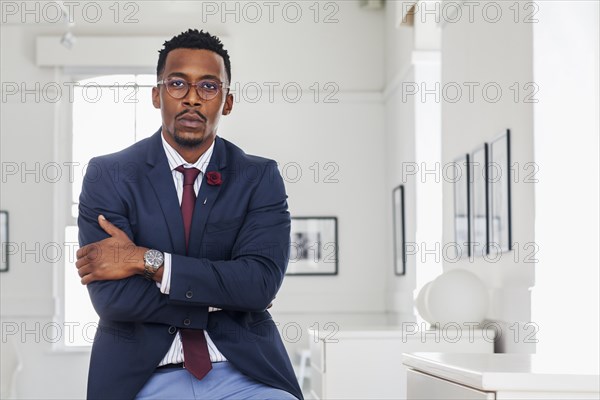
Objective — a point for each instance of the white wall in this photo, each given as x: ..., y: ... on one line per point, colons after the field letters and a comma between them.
x: 497, y: 54
x: 565, y: 297
x: 348, y: 133
x: 399, y: 149
x: 413, y: 143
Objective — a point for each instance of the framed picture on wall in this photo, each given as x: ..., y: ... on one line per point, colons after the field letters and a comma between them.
x: 314, y: 246
x: 399, y: 231
x: 479, y: 201
x: 462, y: 228
x: 500, y: 196
x: 4, y: 241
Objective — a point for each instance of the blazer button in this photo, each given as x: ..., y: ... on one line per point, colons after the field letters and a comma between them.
x: 187, y: 322
x: 172, y: 330
x: 189, y: 294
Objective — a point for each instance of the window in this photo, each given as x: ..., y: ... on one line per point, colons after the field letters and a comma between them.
x: 109, y: 113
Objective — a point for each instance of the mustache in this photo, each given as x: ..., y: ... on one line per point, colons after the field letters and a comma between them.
x: 191, y: 112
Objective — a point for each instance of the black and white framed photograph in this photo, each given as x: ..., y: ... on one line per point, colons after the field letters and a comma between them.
x: 4, y: 241
x: 399, y: 231
x: 314, y: 246
x: 500, y: 196
x: 462, y: 228
x: 479, y: 201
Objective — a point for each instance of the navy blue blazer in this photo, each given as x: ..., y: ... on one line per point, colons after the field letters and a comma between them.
x: 238, y: 254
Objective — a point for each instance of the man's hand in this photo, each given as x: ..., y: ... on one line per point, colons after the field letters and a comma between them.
x: 113, y: 258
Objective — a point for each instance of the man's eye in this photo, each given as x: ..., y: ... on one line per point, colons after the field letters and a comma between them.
x: 208, y: 85
x: 177, y: 84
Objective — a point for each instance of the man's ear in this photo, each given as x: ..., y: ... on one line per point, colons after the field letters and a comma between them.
x: 156, y: 97
x: 228, y: 104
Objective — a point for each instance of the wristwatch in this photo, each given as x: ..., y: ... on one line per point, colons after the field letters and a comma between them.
x: 153, y: 260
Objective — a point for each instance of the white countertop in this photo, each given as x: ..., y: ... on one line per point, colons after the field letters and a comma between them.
x: 509, y: 372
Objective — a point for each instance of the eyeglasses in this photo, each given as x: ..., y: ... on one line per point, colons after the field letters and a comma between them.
x: 207, y: 89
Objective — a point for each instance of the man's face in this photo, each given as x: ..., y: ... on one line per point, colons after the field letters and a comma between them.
x: 191, y: 122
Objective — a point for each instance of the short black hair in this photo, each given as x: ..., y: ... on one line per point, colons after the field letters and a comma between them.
x: 192, y: 39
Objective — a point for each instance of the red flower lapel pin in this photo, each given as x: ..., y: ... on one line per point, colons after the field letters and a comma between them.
x: 213, y: 178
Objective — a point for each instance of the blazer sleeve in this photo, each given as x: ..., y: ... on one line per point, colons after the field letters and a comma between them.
x: 134, y: 299
x: 251, y: 279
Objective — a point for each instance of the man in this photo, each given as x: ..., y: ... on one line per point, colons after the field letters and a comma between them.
x: 184, y: 244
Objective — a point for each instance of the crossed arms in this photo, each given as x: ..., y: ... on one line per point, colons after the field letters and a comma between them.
x: 111, y: 264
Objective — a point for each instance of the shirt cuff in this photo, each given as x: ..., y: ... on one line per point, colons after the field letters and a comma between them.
x: 165, y: 284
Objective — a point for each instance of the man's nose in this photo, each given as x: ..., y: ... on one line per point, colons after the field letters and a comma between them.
x: 192, y: 98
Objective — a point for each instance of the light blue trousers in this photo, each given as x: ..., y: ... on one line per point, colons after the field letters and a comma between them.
x: 222, y: 382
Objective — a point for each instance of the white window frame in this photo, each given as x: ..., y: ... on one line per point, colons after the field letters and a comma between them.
x: 62, y: 194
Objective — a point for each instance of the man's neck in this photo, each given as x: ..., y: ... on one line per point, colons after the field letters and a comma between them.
x: 189, y: 154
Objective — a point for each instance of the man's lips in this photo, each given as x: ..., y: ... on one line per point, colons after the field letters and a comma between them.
x: 191, y: 120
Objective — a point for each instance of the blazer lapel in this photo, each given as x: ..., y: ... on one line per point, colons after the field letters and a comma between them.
x: 161, y: 179
x: 206, y: 198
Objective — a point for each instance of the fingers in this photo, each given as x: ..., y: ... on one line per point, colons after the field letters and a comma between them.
x: 90, y: 251
x: 87, y: 258
x: 82, y: 262
x: 104, y: 259
x: 87, y: 279
x: 86, y: 273
x: 88, y: 269
x: 81, y: 252
x: 84, y: 270
x: 109, y: 227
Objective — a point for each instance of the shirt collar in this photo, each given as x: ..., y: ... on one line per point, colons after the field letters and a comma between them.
x: 175, y: 159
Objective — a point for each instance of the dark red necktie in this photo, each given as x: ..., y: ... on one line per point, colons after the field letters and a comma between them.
x: 195, y: 350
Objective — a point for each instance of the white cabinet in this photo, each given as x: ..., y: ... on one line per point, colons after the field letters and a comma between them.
x: 434, y: 376
x: 367, y: 363
x: 426, y: 387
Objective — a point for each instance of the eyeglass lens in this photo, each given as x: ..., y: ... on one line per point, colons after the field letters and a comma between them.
x: 207, y: 89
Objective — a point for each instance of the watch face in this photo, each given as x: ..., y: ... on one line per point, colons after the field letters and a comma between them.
x: 153, y: 258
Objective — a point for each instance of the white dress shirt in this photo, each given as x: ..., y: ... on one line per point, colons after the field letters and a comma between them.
x: 175, y: 353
